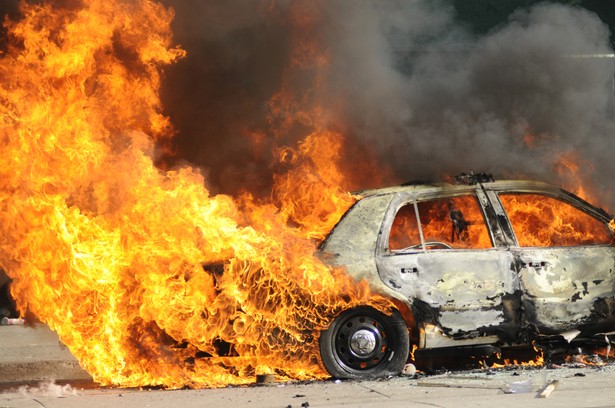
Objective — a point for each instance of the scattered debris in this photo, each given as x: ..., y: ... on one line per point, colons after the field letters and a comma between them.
x: 462, y: 381
x: 457, y: 385
x: 473, y: 178
x: 549, y: 389
x: 570, y: 335
x: 409, y: 370
x: 7, y: 321
x: 265, y: 378
x: 518, y: 387
x: 303, y: 405
x: 48, y: 389
x: 594, y: 359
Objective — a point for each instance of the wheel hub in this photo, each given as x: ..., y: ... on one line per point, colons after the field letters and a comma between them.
x: 363, y: 342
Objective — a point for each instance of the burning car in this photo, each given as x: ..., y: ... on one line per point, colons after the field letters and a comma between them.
x: 480, y: 262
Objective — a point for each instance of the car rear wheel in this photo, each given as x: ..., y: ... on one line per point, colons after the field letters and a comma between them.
x: 365, y: 343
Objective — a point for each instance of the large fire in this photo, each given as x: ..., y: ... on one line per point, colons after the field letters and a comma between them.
x: 146, y: 277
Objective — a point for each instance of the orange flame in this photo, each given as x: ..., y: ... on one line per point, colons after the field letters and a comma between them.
x: 568, y: 167
x: 497, y: 361
x: 436, y: 224
x: 543, y: 221
x: 540, y: 221
x: 109, y: 251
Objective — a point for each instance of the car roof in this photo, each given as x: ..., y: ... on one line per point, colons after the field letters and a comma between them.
x: 500, y: 185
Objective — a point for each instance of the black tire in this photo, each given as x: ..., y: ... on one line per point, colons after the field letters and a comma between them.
x: 363, y: 343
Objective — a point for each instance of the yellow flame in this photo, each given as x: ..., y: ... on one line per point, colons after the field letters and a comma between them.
x: 108, y: 250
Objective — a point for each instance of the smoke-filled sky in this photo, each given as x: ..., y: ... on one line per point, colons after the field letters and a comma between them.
x: 425, y: 86
x: 409, y: 81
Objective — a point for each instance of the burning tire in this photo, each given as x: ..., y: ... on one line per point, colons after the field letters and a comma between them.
x: 365, y: 343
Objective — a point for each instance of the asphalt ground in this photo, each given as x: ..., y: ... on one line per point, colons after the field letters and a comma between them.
x: 36, y: 370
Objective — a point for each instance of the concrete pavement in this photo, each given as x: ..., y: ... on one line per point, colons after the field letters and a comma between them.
x: 593, y: 390
x: 30, y: 354
x: 34, y: 357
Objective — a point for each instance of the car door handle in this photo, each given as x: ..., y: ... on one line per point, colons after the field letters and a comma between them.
x: 537, y: 264
x: 414, y: 269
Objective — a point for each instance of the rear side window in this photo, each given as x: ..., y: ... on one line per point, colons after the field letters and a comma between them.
x: 542, y: 221
x: 452, y: 222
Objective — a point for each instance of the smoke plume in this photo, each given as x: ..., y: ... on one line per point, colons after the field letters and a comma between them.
x: 405, y: 81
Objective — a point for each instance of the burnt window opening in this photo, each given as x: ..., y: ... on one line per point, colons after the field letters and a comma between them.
x: 542, y: 221
x: 446, y: 223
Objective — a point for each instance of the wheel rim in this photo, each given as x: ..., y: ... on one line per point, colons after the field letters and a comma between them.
x: 361, y: 343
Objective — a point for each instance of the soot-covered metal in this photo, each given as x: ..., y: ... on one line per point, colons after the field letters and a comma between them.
x: 483, y: 263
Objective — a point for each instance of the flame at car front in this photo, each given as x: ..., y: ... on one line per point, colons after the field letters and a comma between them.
x: 108, y: 250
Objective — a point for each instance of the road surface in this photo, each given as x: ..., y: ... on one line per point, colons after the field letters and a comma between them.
x: 37, y: 371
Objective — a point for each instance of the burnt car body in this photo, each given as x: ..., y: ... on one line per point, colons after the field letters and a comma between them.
x: 484, y: 263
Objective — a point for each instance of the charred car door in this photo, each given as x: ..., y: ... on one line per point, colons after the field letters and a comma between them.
x: 565, y: 259
x: 440, y: 253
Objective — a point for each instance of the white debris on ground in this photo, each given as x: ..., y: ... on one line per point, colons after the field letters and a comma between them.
x: 48, y: 389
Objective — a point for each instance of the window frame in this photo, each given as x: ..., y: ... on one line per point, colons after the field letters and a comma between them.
x: 563, y: 197
x: 482, y: 202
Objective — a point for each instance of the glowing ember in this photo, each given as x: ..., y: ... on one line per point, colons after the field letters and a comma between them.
x: 108, y: 250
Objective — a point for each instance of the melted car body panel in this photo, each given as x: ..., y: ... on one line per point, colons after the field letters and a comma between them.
x: 568, y: 286
x: 477, y: 294
x: 465, y: 286
x: 351, y: 244
x: 560, y: 286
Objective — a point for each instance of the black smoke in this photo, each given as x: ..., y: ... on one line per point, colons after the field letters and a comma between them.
x: 413, y: 82
x: 436, y: 100
x: 428, y: 95
x: 218, y: 95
